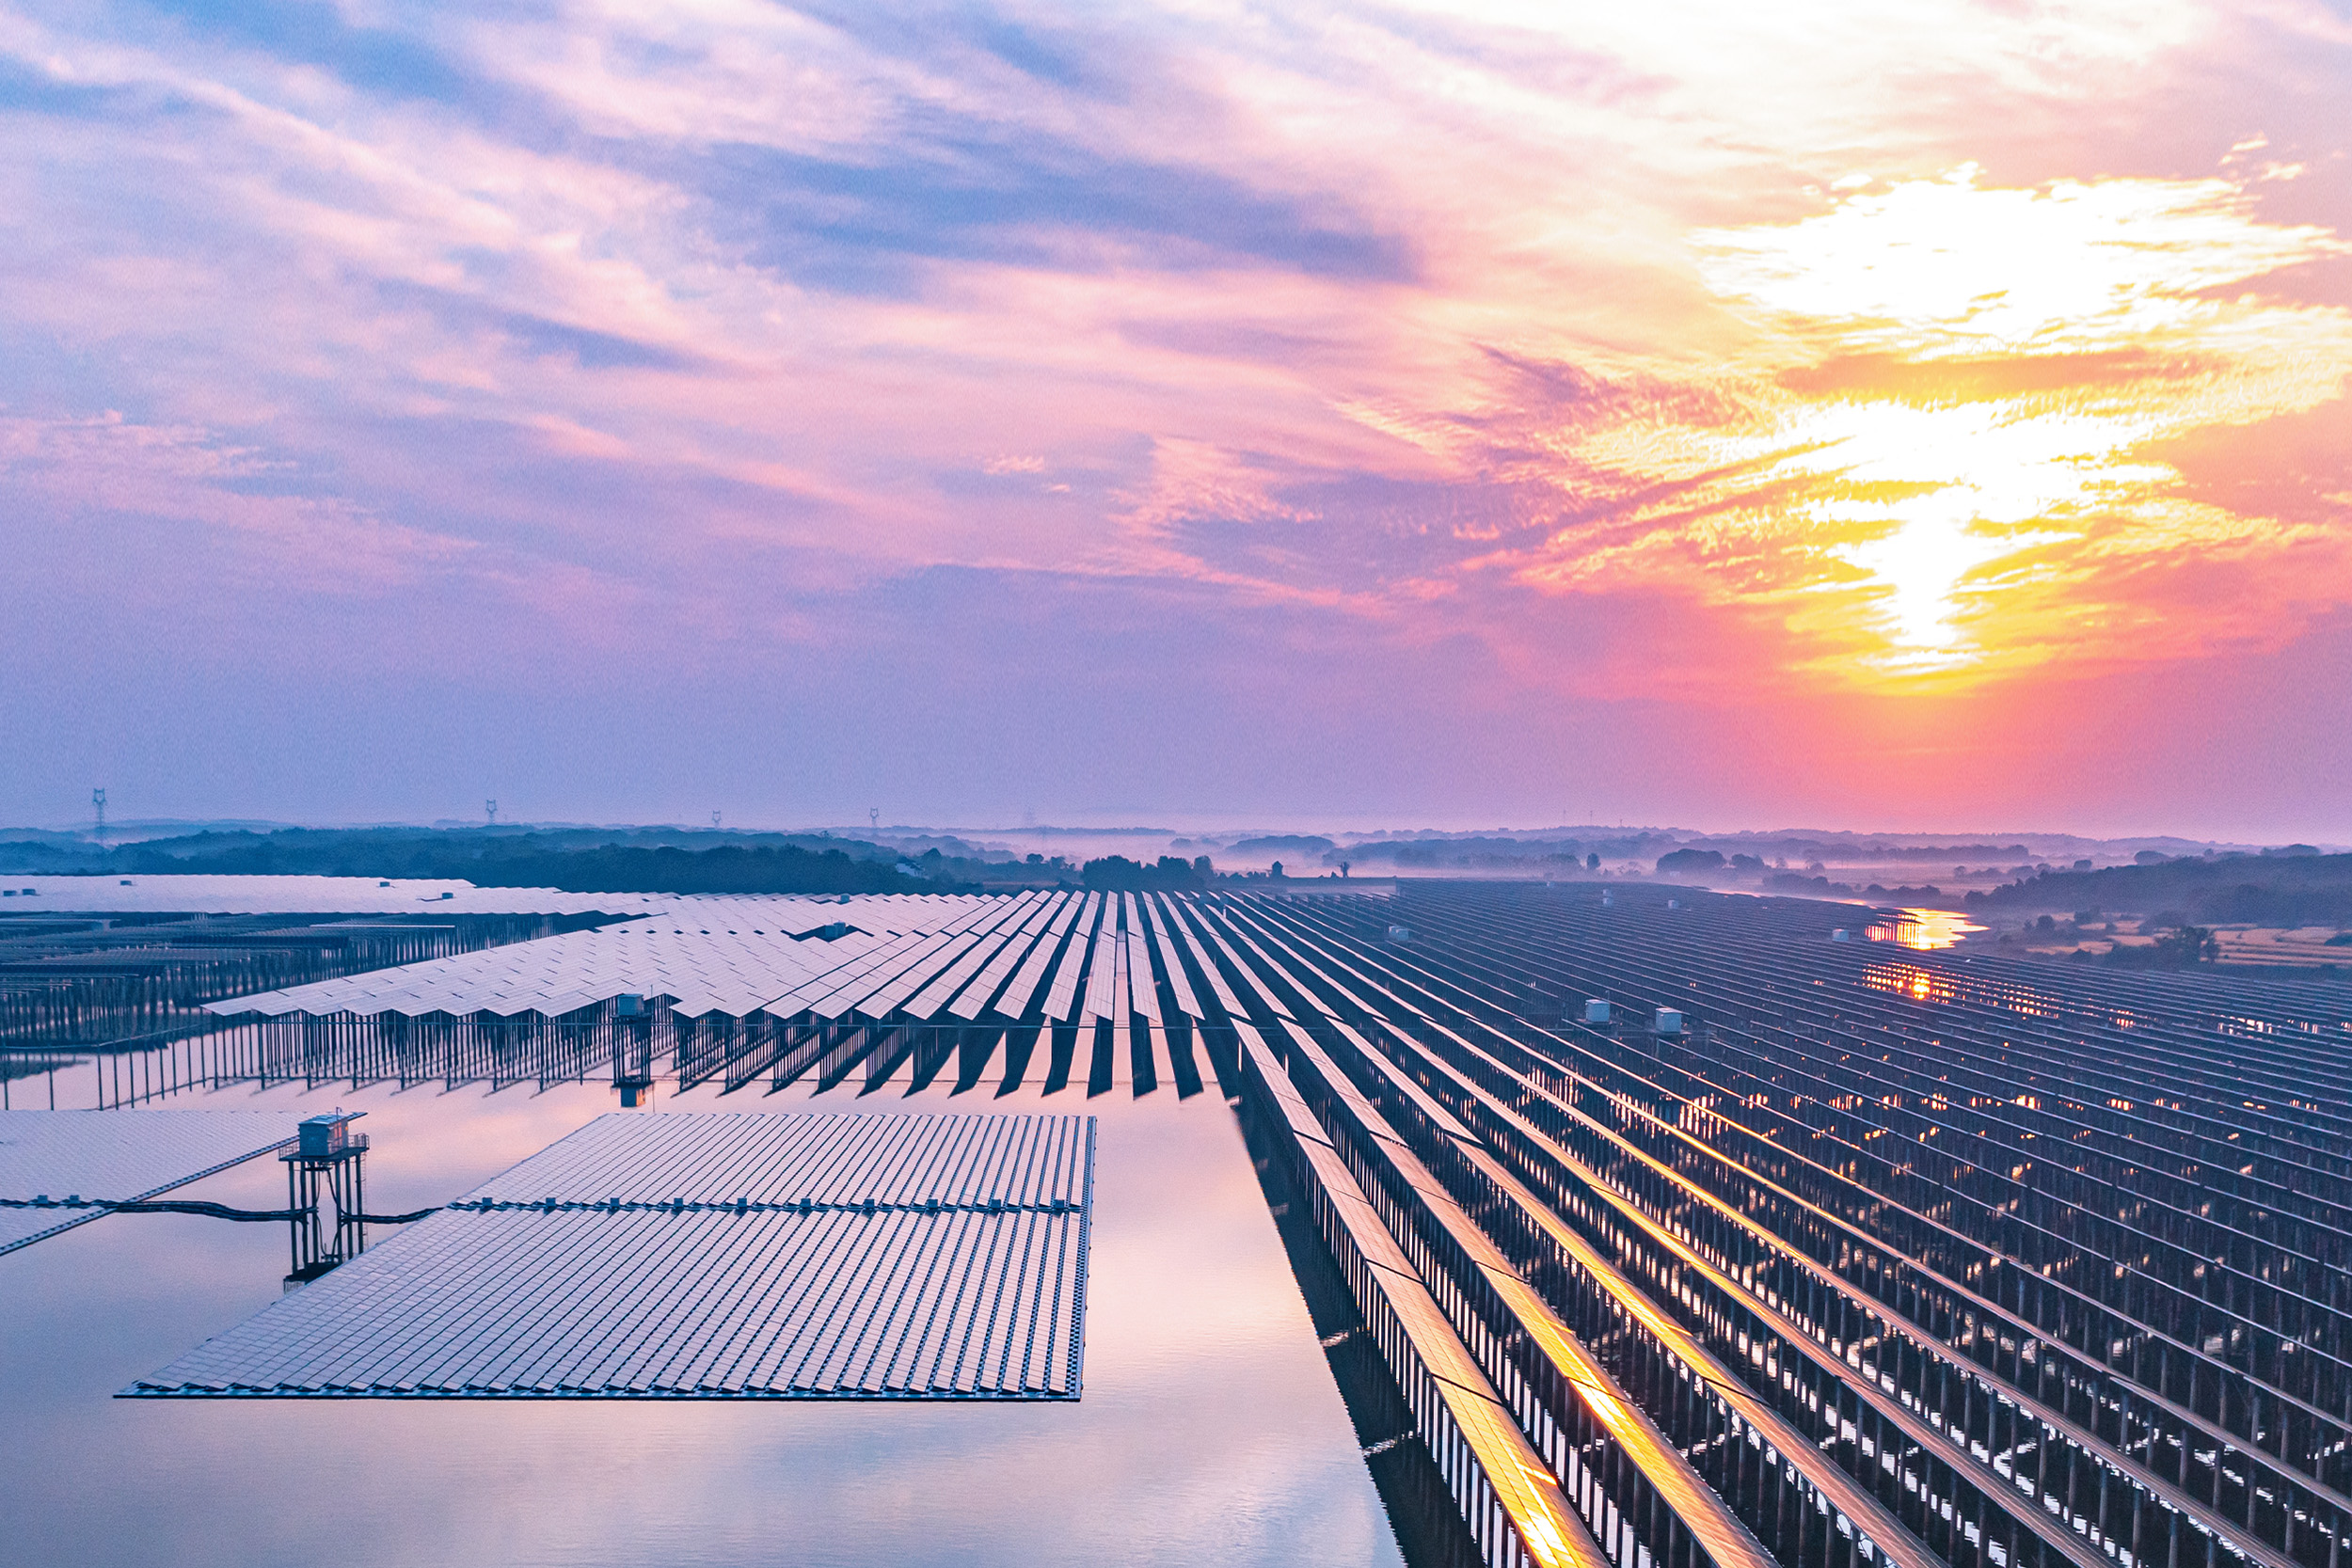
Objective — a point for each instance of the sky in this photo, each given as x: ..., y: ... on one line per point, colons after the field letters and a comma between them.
x: 1914, y: 416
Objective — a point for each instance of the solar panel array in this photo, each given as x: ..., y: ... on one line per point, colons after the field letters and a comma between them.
x: 48, y: 1157
x: 974, y: 1162
x: 115, y: 979
x: 948, y: 957
x: 1808, y: 1252
x: 1884, y: 1256
x: 708, y: 1257
x: 261, y: 894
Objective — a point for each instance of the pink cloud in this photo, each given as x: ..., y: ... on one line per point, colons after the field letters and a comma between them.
x: 1865, y: 343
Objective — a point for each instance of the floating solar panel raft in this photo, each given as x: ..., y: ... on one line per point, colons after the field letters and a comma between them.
x: 53, y: 1164
x: 697, y: 1256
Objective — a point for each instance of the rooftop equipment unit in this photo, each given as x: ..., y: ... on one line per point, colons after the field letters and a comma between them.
x: 629, y: 1007
x: 1841, y: 934
x: 1595, y: 1010
x: 327, y: 1134
x: 1400, y: 934
x: 1669, y: 1022
x: 1607, y: 897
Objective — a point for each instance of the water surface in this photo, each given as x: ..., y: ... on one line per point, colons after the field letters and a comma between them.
x: 1210, y: 1432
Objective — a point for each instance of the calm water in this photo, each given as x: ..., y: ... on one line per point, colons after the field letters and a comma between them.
x: 1210, y: 1430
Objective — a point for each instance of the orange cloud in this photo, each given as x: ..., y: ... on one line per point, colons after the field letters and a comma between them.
x: 1947, y: 459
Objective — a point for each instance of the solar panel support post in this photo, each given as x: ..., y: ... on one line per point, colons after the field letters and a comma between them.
x: 337, y: 1177
x: 632, y: 1049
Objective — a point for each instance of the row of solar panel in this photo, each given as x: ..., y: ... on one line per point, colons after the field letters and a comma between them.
x: 1061, y: 956
x: 649, y: 1288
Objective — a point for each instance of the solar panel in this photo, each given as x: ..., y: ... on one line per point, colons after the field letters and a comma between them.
x: 47, y: 1157
x: 270, y: 894
x: 693, y: 1255
x: 920, y: 958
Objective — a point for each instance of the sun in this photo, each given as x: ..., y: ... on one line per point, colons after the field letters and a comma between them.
x: 1959, y: 394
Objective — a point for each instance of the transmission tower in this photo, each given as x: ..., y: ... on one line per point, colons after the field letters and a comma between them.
x: 714, y: 821
x: 98, y: 803
x: 490, y: 809
x: 873, y: 814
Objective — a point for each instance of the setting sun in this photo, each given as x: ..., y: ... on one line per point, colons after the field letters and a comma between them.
x: 1952, y: 404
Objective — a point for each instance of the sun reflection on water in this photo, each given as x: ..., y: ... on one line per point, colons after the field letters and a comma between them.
x: 1923, y: 931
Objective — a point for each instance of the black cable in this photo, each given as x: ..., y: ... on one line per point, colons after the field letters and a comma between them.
x: 198, y: 1206
x: 210, y: 1211
x: 159, y: 1206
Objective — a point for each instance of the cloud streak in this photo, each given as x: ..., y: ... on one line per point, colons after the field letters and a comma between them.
x: 1877, y: 349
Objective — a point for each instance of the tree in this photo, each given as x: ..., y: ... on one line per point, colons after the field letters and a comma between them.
x: 1689, y: 863
x: 2190, y: 944
x: 2177, y: 948
x: 1117, y: 874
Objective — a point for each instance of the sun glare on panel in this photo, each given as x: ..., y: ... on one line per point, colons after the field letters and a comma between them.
x: 1924, y: 931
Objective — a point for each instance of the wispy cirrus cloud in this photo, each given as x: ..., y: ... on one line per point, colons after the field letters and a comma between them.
x: 1909, y: 344
x: 1947, y: 455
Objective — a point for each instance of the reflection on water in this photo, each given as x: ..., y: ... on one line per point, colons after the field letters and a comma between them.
x: 1422, y: 1511
x: 632, y: 1055
x: 1211, y: 1431
x: 1924, y: 930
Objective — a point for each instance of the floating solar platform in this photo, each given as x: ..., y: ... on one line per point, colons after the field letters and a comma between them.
x: 697, y: 1256
x: 53, y: 1162
x: 215, y: 894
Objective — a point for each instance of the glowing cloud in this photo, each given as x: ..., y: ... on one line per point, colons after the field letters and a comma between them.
x: 1954, y: 408
x: 1911, y: 355
x: 1944, y: 268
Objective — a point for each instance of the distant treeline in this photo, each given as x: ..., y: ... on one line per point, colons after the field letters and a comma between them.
x: 1804, y: 850
x: 727, y: 869
x: 1499, y: 850
x: 572, y: 861
x: 1117, y: 874
x: 2284, y: 889
x: 1490, y: 852
x: 55, y: 858
x: 1279, y: 843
